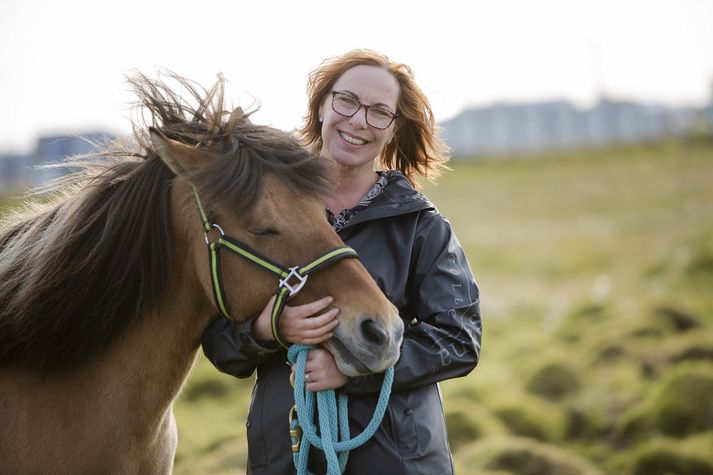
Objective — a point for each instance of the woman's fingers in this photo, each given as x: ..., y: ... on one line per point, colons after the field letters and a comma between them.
x: 312, y: 323
x: 321, y: 331
x: 314, y: 337
x: 298, y: 325
x: 315, y: 323
x: 323, y: 371
x: 311, y: 308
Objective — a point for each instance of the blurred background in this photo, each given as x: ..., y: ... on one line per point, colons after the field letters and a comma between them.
x: 581, y: 190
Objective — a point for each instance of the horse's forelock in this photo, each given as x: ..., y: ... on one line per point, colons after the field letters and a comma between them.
x: 242, y: 151
x: 234, y: 177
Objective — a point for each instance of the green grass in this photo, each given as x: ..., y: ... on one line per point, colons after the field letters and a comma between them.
x: 211, y: 413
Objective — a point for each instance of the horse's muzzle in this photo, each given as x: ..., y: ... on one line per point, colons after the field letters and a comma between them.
x: 366, y: 346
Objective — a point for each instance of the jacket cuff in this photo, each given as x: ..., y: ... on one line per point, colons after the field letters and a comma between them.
x: 253, y: 344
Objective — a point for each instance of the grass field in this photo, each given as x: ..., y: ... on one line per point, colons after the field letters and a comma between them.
x: 596, y: 270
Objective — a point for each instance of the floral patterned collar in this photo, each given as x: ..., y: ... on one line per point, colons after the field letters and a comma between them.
x: 340, y: 220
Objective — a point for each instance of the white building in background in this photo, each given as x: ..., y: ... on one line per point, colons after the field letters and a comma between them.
x: 557, y: 125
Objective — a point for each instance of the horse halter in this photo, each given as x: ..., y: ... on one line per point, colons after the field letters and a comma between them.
x: 290, y: 280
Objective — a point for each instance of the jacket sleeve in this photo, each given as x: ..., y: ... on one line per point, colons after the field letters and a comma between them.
x: 233, y: 349
x: 442, y: 298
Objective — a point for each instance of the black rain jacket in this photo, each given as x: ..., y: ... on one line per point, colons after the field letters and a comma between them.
x: 410, y: 250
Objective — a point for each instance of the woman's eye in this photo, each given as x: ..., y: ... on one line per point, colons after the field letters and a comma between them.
x: 347, y: 101
x: 380, y: 113
x: 264, y: 231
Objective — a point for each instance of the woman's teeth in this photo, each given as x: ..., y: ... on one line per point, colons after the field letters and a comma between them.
x: 352, y: 140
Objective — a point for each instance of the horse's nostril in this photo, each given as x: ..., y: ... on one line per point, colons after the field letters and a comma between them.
x: 373, y: 332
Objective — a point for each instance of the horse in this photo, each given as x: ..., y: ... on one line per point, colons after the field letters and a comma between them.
x: 105, y: 289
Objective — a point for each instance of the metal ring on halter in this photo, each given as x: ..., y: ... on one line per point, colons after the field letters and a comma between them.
x: 205, y: 235
x: 301, y: 281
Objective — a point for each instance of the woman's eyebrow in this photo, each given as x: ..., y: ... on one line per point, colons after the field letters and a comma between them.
x: 356, y: 96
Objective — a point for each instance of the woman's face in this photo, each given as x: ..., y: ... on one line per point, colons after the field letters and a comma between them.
x: 351, y: 141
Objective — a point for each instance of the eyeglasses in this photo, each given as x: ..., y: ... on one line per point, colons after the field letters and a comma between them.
x: 347, y: 105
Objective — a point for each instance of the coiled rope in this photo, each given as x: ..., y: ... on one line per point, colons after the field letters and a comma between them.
x: 334, y: 438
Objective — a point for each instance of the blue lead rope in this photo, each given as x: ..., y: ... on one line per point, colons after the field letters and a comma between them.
x: 333, y: 419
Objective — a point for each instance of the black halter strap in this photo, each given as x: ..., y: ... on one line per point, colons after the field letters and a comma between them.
x: 290, y: 280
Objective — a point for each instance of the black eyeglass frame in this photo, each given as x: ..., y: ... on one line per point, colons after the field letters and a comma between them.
x: 394, y: 115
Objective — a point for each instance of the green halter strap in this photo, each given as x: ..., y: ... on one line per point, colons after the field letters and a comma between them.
x: 290, y: 280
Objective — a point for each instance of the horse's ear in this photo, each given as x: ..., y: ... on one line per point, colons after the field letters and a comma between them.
x: 179, y: 157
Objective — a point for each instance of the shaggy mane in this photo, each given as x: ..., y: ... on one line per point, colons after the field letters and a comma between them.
x: 76, y: 274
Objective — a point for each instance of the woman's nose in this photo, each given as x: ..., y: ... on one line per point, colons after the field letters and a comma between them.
x: 358, y: 120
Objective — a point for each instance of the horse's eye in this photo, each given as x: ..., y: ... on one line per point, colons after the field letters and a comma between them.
x: 264, y: 231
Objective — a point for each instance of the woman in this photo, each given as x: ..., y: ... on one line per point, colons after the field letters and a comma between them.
x: 365, y: 108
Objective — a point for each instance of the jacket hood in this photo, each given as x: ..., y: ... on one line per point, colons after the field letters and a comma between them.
x: 398, y: 198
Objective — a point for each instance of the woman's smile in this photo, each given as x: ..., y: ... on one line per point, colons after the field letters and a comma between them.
x: 352, y: 139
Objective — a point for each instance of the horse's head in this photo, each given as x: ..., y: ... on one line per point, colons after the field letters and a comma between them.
x: 264, y: 190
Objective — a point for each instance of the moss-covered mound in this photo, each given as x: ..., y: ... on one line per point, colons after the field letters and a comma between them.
x: 665, y: 460
x: 554, y: 380
x: 530, y: 416
x: 671, y: 456
x: 468, y: 421
x: 522, y: 456
x: 682, y: 403
x: 635, y: 425
x: 587, y: 421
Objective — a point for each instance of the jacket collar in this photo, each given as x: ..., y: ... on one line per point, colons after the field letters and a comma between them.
x: 398, y: 198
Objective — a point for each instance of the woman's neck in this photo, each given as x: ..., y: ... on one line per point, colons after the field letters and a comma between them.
x: 349, y: 185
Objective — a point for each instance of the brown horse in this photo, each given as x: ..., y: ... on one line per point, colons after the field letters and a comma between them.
x: 104, y: 292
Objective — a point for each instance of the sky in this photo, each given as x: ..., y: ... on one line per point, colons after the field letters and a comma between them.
x: 63, y: 64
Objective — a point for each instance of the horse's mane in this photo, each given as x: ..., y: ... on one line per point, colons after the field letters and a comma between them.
x: 77, y: 273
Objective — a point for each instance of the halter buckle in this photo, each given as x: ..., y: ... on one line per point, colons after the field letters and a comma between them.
x: 220, y: 230
x: 301, y: 281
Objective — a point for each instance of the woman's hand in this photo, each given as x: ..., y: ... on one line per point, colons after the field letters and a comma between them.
x: 321, y: 371
x: 299, y: 324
